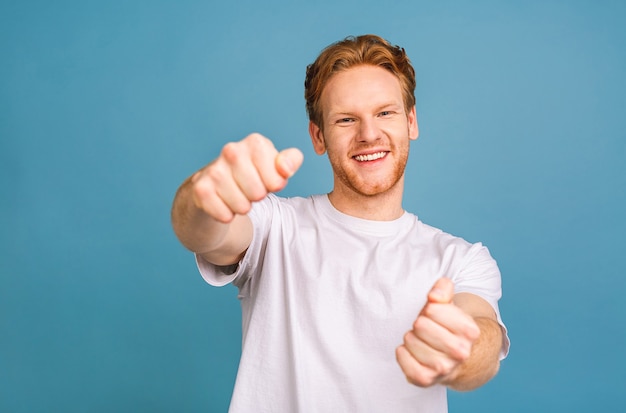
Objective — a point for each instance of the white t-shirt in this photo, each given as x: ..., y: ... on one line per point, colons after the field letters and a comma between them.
x: 326, y: 299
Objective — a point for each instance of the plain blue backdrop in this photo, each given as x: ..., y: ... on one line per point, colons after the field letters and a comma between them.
x: 106, y: 107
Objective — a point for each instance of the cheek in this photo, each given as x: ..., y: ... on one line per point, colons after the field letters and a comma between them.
x: 333, y: 142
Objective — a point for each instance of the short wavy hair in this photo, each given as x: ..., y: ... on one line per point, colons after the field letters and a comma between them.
x: 353, y: 51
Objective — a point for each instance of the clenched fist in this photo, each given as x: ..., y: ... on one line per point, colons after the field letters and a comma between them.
x: 246, y: 171
x: 440, y: 341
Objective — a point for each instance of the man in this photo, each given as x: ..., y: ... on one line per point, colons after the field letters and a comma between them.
x: 349, y: 303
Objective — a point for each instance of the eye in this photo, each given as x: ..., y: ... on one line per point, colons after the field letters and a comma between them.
x: 345, y: 120
x: 385, y: 113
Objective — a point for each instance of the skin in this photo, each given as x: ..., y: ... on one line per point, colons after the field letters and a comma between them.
x: 454, y: 341
x: 210, y: 207
x: 364, y: 115
x: 366, y: 132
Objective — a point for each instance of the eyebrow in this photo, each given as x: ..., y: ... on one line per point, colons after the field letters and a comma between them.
x: 389, y: 105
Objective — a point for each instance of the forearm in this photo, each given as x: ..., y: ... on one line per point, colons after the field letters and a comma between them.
x: 484, y: 360
x: 218, y: 242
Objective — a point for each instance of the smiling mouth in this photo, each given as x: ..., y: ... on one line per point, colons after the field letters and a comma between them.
x: 370, y: 157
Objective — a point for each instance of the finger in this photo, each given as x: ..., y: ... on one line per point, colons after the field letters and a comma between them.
x: 441, y: 339
x: 263, y: 155
x: 216, y: 189
x: 246, y: 177
x: 442, y: 291
x: 288, y: 162
x: 206, y: 198
x: 453, y: 319
x: 231, y: 194
x: 440, y: 362
x: 415, y: 372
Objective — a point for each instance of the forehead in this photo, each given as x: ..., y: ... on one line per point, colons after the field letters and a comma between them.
x: 360, y: 88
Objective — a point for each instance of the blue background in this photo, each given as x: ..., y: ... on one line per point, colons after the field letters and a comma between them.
x: 105, y: 107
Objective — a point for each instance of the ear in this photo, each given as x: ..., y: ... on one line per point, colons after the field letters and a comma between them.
x: 317, y: 138
x: 413, y: 128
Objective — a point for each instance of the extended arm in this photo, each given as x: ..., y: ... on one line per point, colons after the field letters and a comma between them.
x: 210, y: 207
x: 455, y: 341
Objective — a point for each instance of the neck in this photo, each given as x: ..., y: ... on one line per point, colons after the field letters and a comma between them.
x: 386, y: 206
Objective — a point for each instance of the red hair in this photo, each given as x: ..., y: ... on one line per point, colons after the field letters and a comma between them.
x: 367, y: 49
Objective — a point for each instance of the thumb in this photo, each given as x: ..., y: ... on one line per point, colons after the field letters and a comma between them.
x: 288, y: 162
x: 442, y: 291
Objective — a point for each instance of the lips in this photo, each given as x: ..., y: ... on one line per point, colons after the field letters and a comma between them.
x: 370, y: 156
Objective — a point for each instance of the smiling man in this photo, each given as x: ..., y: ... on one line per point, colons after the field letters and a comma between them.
x: 365, y: 128
x: 349, y: 302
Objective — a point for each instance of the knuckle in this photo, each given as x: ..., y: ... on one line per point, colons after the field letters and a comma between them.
x: 230, y: 152
x: 202, y: 189
x: 261, y: 148
x: 419, y: 323
x: 461, y: 350
x: 218, y: 172
x: 257, y: 141
x: 421, y: 378
x: 430, y: 310
x: 214, y: 177
x: 442, y: 367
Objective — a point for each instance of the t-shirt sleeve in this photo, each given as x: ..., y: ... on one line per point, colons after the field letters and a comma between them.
x: 480, y: 275
x: 217, y: 275
x: 240, y: 272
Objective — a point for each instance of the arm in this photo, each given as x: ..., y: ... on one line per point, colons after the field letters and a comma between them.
x: 484, y: 360
x: 210, y: 207
x: 455, y: 341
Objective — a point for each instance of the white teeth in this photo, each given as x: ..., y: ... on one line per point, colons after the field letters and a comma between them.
x: 370, y: 157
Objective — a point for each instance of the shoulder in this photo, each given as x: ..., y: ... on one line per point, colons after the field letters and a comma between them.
x: 440, y: 238
x: 277, y: 210
x: 452, y: 249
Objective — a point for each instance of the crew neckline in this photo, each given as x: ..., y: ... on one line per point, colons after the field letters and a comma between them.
x: 371, y: 227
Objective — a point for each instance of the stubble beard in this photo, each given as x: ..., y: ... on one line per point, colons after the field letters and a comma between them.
x: 358, y: 184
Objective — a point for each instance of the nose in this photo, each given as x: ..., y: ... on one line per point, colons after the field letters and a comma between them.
x: 368, y: 130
